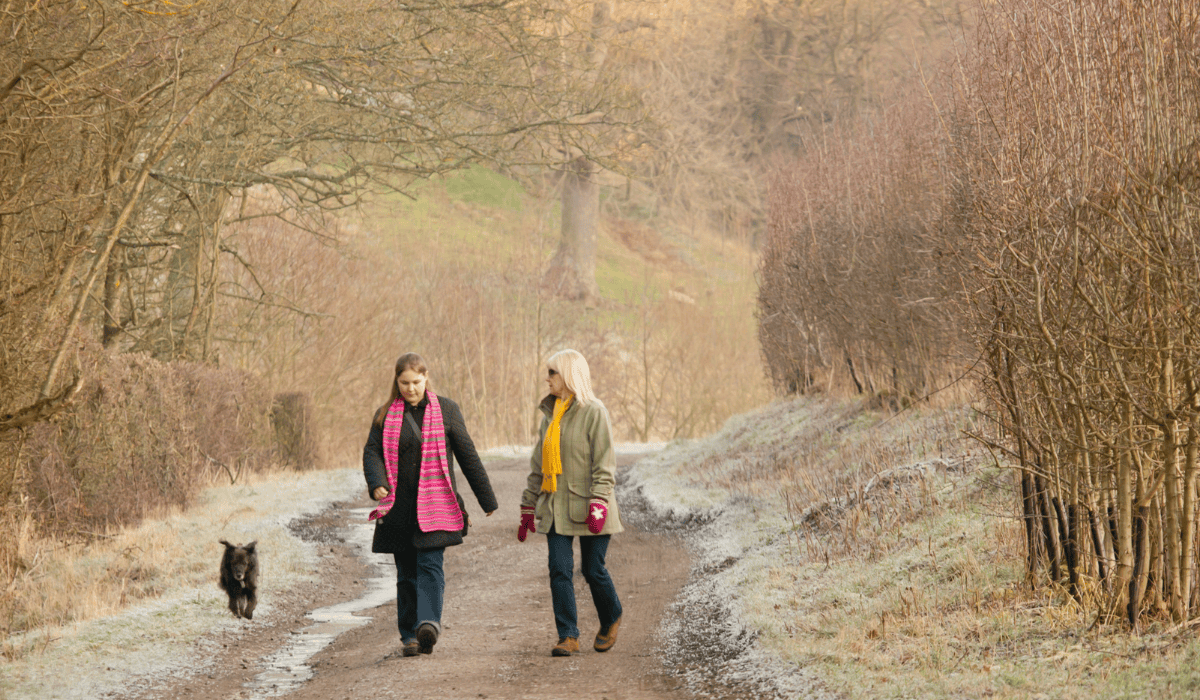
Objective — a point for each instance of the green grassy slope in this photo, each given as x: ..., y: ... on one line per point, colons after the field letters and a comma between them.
x: 490, y: 222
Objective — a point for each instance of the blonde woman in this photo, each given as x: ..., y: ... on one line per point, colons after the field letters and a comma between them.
x: 569, y: 494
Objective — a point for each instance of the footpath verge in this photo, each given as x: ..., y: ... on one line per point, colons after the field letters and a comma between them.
x: 839, y: 550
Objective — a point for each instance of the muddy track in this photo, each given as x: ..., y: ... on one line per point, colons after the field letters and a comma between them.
x: 498, y: 627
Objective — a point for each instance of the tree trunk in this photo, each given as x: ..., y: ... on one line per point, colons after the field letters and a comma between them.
x: 1125, y: 577
x: 1049, y: 526
x: 572, y: 272
x: 113, y: 279
x: 1029, y: 507
x: 1074, y: 523
x: 1171, y: 535
x: 1098, y: 544
x: 1188, y: 529
x: 1138, y: 572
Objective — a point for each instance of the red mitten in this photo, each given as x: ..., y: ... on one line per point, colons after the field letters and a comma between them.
x: 597, y: 514
x: 527, y: 523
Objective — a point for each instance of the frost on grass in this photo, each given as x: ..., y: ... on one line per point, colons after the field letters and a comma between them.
x: 708, y: 644
x: 685, y: 488
x: 764, y: 504
x: 101, y: 657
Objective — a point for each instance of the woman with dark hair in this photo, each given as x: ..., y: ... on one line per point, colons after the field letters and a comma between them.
x: 569, y: 494
x: 409, y: 466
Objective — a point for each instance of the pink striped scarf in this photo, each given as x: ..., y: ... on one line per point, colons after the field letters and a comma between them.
x: 437, y: 508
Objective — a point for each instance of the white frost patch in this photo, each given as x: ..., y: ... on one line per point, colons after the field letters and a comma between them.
x: 103, y: 657
x: 517, y: 451
x: 638, y: 448
x: 734, y: 541
x: 504, y: 452
x: 668, y: 486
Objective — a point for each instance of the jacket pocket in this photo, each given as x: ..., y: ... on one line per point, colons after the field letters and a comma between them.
x: 577, y: 504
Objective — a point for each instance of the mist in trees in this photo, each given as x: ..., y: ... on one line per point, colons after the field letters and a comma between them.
x: 135, y: 138
x: 1029, y: 225
x: 135, y: 132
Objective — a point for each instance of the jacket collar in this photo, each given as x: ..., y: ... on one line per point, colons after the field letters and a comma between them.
x: 547, y: 405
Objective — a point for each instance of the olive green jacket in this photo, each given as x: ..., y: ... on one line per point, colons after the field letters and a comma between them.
x: 589, y: 469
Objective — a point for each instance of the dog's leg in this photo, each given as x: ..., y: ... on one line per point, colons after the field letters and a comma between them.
x: 251, y: 603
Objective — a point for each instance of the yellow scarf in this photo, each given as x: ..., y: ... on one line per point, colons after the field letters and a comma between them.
x: 551, y: 453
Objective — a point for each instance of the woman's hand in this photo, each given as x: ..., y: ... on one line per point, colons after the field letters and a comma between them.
x: 597, y: 514
x: 379, y: 493
x: 528, y: 524
x: 489, y: 513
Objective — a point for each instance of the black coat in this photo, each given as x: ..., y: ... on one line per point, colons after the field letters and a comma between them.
x: 394, y: 531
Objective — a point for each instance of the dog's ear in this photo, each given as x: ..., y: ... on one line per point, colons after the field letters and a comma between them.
x: 250, y: 547
x: 227, y: 545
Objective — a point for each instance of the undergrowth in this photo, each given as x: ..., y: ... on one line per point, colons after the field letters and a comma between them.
x: 881, y: 552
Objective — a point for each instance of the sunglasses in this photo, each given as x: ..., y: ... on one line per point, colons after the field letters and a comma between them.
x: 552, y: 372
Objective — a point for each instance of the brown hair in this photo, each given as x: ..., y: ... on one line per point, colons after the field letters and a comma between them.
x: 409, y: 360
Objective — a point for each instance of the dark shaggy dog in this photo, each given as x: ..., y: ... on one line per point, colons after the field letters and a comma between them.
x: 239, y: 578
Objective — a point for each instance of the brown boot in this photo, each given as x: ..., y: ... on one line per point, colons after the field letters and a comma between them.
x: 427, y: 636
x: 565, y: 647
x: 607, y: 637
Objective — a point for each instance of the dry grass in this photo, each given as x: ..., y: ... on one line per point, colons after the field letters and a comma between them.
x: 456, y: 277
x: 916, y: 589
x: 169, y: 562
x: 142, y: 436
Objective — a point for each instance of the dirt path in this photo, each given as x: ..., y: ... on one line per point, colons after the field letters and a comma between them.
x: 498, y: 627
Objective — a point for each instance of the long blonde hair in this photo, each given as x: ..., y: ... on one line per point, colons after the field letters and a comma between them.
x: 575, y: 373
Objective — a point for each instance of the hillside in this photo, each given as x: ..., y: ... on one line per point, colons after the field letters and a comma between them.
x: 881, y: 555
x: 491, y: 222
x: 455, y: 273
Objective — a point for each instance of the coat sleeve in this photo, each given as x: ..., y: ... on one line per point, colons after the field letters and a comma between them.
x: 604, y: 459
x: 373, y: 469
x: 533, y: 483
x: 468, y: 458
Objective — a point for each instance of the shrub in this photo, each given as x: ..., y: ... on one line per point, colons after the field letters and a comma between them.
x: 859, y: 280
x: 141, y: 436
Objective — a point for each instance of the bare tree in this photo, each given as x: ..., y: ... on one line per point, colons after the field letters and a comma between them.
x: 571, y: 274
x: 736, y: 88
x: 172, y: 117
x: 1084, y: 118
x: 859, y: 279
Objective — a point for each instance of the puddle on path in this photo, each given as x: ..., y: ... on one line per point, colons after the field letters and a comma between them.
x: 288, y: 669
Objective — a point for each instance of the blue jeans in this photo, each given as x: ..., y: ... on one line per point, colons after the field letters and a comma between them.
x: 420, y: 584
x: 592, y: 549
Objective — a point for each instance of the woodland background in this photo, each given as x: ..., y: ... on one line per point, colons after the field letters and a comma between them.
x: 220, y: 223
